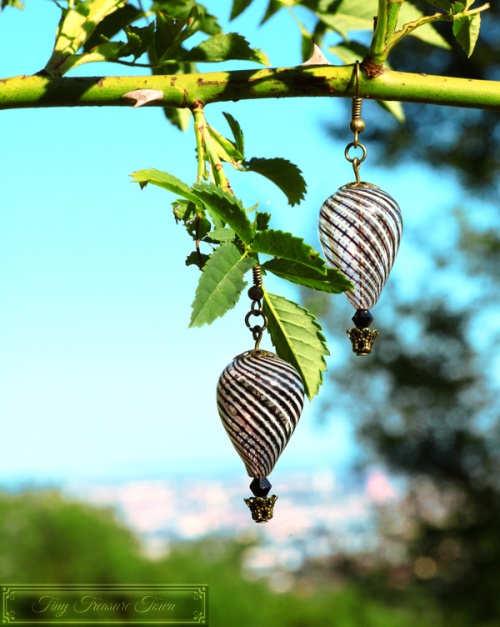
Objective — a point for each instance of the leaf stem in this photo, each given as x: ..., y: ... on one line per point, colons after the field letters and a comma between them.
x: 385, y: 27
x: 199, y: 132
x: 216, y: 164
x: 206, y: 150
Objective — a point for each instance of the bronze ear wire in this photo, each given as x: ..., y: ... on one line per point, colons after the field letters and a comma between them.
x: 357, y: 126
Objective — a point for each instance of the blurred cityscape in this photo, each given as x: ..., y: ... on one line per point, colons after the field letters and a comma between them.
x: 317, y: 514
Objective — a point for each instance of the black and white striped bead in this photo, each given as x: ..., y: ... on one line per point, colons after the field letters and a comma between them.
x: 360, y: 228
x: 260, y: 398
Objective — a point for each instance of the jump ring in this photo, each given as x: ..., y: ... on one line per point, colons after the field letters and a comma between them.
x: 355, y: 145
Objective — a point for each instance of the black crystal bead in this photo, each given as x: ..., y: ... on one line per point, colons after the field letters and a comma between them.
x: 255, y: 292
x: 362, y: 318
x: 260, y: 486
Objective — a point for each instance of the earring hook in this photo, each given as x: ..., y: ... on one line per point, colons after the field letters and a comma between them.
x: 357, y: 126
x: 356, y: 76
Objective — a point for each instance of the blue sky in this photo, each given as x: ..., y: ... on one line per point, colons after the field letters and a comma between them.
x: 100, y: 376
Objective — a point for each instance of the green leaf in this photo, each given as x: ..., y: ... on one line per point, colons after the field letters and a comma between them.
x: 349, y: 52
x: 286, y: 246
x: 334, y: 282
x: 199, y: 17
x: 273, y: 7
x: 227, y: 207
x: 193, y: 218
x: 197, y: 259
x: 226, y: 150
x: 445, y: 5
x: 297, y: 337
x: 175, y: 22
x: 262, y: 220
x: 394, y: 107
x: 18, y: 4
x: 226, y: 47
x: 112, y: 24
x: 236, y: 131
x: 426, y: 32
x: 238, y: 7
x: 466, y: 31
x: 181, y: 118
x: 220, y: 284
x: 222, y: 235
x: 353, y: 15
x: 165, y: 180
x: 76, y: 26
x: 350, y: 15
x: 287, y: 176
x: 139, y: 39
x: 184, y: 210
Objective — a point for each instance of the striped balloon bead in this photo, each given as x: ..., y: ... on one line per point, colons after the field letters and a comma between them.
x: 260, y: 399
x: 360, y: 229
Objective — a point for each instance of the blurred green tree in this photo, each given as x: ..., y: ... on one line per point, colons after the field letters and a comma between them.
x: 47, y: 538
x: 426, y: 406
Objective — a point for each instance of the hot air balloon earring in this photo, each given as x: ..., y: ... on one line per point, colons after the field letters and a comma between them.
x: 360, y: 228
x: 260, y: 398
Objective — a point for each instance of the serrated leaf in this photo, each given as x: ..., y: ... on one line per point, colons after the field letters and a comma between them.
x: 334, y: 282
x: 220, y: 284
x: 194, y: 220
x: 140, y: 39
x: 197, y: 259
x: 287, y: 176
x: 297, y: 337
x: 238, y: 7
x: 262, y: 220
x: 165, y: 180
x: 466, y: 31
x: 227, y: 207
x: 236, y: 131
x: 286, y: 246
x: 222, y: 235
x: 184, y: 210
x: 226, y: 47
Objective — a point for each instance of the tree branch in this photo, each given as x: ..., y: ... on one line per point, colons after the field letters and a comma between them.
x: 184, y: 90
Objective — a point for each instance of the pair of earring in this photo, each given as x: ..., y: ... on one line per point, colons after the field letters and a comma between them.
x: 260, y: 396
